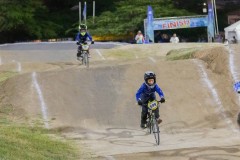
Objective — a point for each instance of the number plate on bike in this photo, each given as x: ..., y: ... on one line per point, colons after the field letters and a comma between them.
x: 153, y: 105
x: 85, y: 47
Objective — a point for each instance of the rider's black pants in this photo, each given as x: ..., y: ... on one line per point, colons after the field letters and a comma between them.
x: 79, y: 50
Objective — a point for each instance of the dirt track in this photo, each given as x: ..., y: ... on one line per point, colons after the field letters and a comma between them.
x: 96, y: 106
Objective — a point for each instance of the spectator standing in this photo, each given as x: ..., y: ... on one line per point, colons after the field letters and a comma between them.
x: 165, y: 38
x: 139, y: 38
x: 174, y: 38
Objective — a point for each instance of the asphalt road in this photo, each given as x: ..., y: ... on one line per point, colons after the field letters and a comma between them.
x: 65, y: 45
x: 46, y: 51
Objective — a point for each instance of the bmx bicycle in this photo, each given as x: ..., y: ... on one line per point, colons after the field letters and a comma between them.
x: 152, y: 124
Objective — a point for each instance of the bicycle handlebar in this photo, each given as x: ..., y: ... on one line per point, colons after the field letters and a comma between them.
x: 146, y: 103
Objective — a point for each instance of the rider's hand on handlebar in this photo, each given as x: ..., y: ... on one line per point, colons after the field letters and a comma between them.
x: 77, y: 43
x: 162, y: 100
x: 140, y: 102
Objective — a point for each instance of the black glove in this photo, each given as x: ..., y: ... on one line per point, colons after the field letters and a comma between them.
x: 162, y: 100
x: 77, y: 43
x: 140, y: 102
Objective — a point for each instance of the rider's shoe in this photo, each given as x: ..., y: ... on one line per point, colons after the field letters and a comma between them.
x: 159, y: 120
x: 143, y: 126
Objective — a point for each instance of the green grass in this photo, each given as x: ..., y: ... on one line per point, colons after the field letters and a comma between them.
x: 6, y: 75
x: 185, y: 53
x: 22, y: 142
x: 119, y: 54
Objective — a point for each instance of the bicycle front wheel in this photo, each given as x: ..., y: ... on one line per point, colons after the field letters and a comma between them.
x: 149, y: 126
x: 149, y: 123
x: 86, y: 60
x: 156, y: 131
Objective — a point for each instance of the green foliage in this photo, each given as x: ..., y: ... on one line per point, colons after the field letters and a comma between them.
x: 195, y: 6
x: 129, y: 15
x: 16, y: 13
x: 184, y: 53
x: 25, y: 20
x: 43, y: 19
x: 6, y: 75
x: 23, y: 143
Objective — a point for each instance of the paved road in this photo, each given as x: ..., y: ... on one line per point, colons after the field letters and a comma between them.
x: 47, y: 51
x: 67, y: 45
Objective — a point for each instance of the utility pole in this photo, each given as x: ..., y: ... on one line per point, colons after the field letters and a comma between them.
x: 93, y: 11
x: 214, y: 22
x: 216, y: 19
x: 85, y: 12
x: 80, y: 18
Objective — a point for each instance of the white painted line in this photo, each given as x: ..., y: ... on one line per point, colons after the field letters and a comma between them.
x: 231, y: 65
x: 118, y: 44
x: 232, y: 68
x: 19, y: 67
x: 114, y: 43
x: 220, y: 109
x: 100, y: 54
x: 41, y: 99
x: 3, y: 45
x: 152, y: 59
x: 109, y: 158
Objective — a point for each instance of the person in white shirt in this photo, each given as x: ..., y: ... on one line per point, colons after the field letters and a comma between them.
x: 139, y: 38
x: 174, y: 39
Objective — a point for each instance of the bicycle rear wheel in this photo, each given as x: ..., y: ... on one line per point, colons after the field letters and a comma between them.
x: 156, y: 132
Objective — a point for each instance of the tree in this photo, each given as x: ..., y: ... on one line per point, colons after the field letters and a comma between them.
x: 195, y: 6
x: 129, y: 15
x: 24, y: 20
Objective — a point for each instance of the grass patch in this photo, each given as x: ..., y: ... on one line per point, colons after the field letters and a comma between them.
x: 6, y: 75
x: 185, y: 53
x: 22, y: 142
x: 119, y: 54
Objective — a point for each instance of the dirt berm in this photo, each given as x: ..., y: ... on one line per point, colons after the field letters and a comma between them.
x: 97, y: 108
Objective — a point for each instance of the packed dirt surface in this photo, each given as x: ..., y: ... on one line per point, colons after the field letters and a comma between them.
x: 96, y: 107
